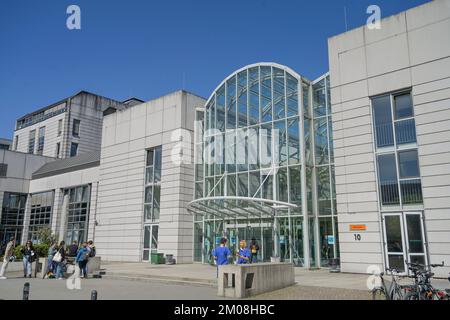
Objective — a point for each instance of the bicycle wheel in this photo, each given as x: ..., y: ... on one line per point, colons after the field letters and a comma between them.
x: 411, y: 296
x: 379, y: 294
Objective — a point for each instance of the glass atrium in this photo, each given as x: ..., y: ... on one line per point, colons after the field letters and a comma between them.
x: 264, y: 167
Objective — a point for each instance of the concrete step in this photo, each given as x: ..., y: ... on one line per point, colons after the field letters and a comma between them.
x: 164, y: 279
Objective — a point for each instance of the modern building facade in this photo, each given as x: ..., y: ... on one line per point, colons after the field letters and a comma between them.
x: 264, y: 167
x: 66, y: 128
x: 390, y: 96
x: 5, y: 144
x: 354, y: 165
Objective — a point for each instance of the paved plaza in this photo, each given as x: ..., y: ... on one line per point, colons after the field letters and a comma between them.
x: 144, y: 281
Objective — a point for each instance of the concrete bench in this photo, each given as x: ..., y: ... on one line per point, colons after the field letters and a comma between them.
x: 241, y: 281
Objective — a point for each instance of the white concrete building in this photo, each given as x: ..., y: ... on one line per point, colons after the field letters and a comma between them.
x: 66, y: 128
x: 364, y: 172
x: 142, y: 193
x: 390, y: 95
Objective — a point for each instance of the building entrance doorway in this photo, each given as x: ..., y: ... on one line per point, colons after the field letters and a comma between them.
x: 404, y: 239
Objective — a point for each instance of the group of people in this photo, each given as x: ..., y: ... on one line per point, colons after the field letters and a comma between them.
x: 244, y: 255
x: 57, y: 258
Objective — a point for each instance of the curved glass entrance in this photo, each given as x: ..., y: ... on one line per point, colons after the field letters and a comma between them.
x: 264, y: 167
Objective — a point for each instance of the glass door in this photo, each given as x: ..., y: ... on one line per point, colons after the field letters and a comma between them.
x: 150, y: 241
x: 415, y: 237
x: 394, y: 241
x: 404, y: 239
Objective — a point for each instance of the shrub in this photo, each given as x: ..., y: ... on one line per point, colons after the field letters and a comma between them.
x: 41, y: 250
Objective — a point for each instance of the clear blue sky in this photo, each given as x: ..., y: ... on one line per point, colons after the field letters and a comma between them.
x: 145, y: 48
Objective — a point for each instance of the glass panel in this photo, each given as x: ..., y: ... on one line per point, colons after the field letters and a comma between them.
x: 254, y: 184
x: 282, y: 144
x: 405, y: 131
x: 278, y: 94
x: 414, y: 226
x: 149, y: 160
x: 383, y: 121
x: 231, y: 185
x: 282, y: 185
x: 326, y: 248
x: 266, y: 94
x: 411, y: 191
x: 149, y: 175
x: 231, y: 103
x: 403, y: 106
x: 148, y: 194
x: 293, y: 141
x: 155, y: 237
x: 147, y: 237
x: 388, y: 179
x: 292, y: 95
x: 254, y: 96
x: 323, y: 190
x: 321, y: 141
x: 220, y: 108
x: 242, y: 99
x: 393, y: 234
x: 267, y: 187
x: 397, y: 261
x: 158, y: 158
x: 319, y: 102
x: 297, y: 241
x: 306, y: 111
x: 243, y: 185
x: 295, y: 185
x: 408, y: 164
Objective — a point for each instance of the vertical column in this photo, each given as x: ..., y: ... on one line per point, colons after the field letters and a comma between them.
x: 63, y: 216
x: 56, y: 211
x: 26, y: 219
x: 92, y: 212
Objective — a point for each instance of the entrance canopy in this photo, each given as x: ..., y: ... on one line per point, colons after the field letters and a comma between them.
x: 232, y: 207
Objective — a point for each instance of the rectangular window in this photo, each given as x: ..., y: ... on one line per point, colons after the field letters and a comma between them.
x: 58, y: 149
x: 387, y: 174
x: 152, y: 198
x: 12, y: 217
x: 152, y: 184
x: 16, y: 143
x: 41, y: 213
x: 3, y: 169
x: 410, y: 183
x: 73, y: 149
x: 60, y: 127
x: 31, y: 141
x: 383, y: 121
x: 76, y: 128
x: 41, y: 140
x: 78, y: 213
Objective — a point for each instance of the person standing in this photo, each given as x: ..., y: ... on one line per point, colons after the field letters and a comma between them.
x: 244, y: 253
x: 50, y: 263
x: 61, y: 253
x: 28, y: 257
x: 73, y: 249
x: 221, y: 254
x: 6, y: 258
x: 82, y: 259
x: 254, y: 249
x: 91, y: 248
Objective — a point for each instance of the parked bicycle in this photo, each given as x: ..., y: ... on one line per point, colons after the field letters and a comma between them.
x: 422, y: 289
x: 389, y: 290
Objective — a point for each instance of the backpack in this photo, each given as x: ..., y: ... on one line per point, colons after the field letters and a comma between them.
x: 92, y: 252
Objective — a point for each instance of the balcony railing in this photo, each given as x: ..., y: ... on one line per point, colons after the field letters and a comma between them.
x: 405, y: 131
x: 389, y: 193
x: 411, y: 191
x: 385, y: 136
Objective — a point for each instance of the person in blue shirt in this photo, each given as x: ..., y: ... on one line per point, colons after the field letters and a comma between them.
x: 82, y: 259
x: 244, y: 253
x: 221, y: 254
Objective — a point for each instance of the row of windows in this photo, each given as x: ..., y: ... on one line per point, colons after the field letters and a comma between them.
x: 41, y: 139
x: 397, y: 158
